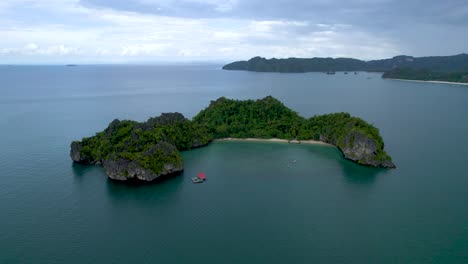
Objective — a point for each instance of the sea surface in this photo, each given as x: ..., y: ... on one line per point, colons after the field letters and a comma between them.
x: 257, y: 206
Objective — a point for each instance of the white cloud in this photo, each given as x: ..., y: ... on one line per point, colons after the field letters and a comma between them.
x: 218, y: 5
x: 60, y: 50
x: 31, y: 47
x: 34, y: 49
x: 102, y: 52
x: 144, y: 49
x: 226, y: 6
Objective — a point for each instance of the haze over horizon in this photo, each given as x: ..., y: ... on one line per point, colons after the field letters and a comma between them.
x: 152, y: 31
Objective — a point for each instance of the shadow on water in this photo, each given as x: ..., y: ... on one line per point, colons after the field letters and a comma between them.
x: 81, y: 170
x: 135, y: 183
x: 353, y: 173
x: 163, y: 187
x: 359, y: 175
x: 132, y: 189
x: 327, y: 159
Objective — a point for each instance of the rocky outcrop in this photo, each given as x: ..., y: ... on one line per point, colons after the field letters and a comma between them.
x: 123, y: 170
x: 362, y: 149
x: 78, y: 156
x: 75, y: 152
x: 142, y: 151
x: 141, y: 168
x: 160, y: 160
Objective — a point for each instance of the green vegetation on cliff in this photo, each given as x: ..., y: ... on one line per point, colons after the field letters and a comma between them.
x: 125, y: 146
x: 426, y: 75
x: 456, y: 63
x: 269, y: 118
x: 340, y: 129
x: 265, y: 118
x: 259, y: 64
x: 134, y: 141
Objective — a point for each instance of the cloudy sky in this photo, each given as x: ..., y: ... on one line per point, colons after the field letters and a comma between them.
x: 151, y: 31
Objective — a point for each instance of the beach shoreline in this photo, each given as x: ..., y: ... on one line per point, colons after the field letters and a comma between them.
x: 442, y: 82
x: 276, y: 140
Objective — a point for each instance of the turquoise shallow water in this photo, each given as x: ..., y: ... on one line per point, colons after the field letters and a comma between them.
x: 253, y: 208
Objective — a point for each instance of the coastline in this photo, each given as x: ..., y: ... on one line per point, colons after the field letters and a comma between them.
x: 276, y: 140
x: 442, y: 82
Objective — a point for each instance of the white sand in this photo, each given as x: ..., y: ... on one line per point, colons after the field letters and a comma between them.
x: 453, y: 83
x: 315, y: 142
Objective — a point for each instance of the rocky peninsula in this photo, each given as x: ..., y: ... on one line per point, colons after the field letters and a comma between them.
x: 146, y: 151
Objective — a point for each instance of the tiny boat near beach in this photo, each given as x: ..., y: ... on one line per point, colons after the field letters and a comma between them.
x: 201, y: 177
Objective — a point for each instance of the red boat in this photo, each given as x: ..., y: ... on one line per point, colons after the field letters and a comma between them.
x: 201, y: 177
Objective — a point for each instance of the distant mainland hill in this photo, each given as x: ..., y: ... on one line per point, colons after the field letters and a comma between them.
x: 435, y: 68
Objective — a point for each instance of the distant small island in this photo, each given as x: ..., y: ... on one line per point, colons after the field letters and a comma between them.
x: 148, y: 150
x: 437, y: 68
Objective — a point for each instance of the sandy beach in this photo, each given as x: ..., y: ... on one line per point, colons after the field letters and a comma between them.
x: 453, y: 83
x: 314, y: 142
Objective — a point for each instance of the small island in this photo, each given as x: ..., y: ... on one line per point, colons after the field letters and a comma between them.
x: 149, y: 150
x: 435, y: 68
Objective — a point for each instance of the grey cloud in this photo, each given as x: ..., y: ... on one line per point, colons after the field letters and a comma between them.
x: 419, y: 27
x: 359, y: 12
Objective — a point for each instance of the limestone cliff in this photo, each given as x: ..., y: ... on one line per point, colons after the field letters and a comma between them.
x: 78, y: 156
x: 143, y: 151
x: 144, y: 169
x: 361, y: 148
